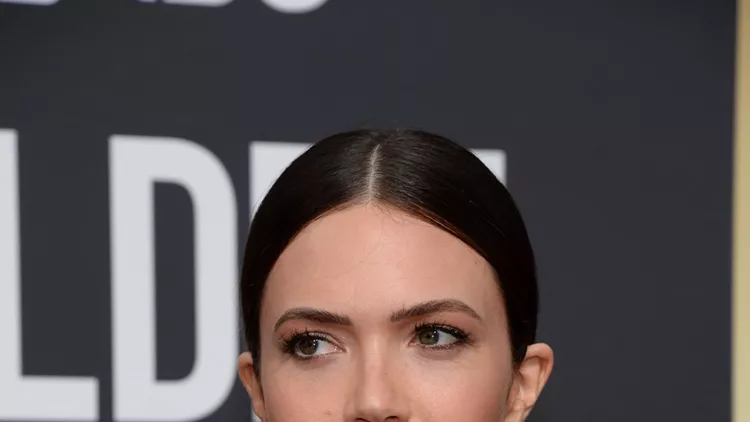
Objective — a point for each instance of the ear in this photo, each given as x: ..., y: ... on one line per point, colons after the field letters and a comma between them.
x: 252, y: 384
x: 528, y: 382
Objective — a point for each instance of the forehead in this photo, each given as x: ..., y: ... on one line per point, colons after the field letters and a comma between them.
x: 376, y: 259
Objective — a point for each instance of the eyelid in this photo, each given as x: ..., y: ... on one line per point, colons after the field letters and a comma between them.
x: 330, y: 339
x: 288, y: 343
x: 296, y: 335
x: 462, y: 337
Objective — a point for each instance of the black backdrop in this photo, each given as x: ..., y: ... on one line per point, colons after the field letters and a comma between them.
x: 615, y: 118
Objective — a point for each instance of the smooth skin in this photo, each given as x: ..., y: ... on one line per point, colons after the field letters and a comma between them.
x: 372, y: 315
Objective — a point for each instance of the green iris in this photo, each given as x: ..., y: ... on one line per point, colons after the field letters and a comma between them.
x: 429, y: 337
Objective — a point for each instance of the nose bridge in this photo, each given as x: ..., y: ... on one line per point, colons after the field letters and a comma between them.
x: 378, y: 393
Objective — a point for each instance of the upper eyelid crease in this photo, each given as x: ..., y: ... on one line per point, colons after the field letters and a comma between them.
x: 416, y: 311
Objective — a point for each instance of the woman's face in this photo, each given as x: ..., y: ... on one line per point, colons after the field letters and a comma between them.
x: 373, y: 315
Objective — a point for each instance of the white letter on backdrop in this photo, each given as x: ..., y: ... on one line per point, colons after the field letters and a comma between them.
x: 294, y: 6
x: 205, y: 3
x: 495, y: 160
x: 136, y: 163
x: 28, y: 397
x: 31, y: 2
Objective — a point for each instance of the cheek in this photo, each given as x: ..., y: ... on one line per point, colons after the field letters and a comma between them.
x: 305, y: 395
x: 476, y: 393
x: 436, y: 391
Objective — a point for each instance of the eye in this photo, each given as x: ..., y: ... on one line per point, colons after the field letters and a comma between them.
x: 436, y: 336
x: 310, y: 345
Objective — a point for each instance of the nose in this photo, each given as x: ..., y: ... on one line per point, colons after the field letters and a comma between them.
x: 379, y: 392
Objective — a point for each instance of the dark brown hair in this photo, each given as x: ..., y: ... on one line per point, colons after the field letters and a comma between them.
x: 420, y: 173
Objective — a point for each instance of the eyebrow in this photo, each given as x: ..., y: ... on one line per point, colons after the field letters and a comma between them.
x: 312, y: 314
x: 433, y: 307
x: 415, y: 311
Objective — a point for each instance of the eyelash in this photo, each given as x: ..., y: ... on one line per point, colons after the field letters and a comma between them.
x: 463, y: 338
x: 289, y: 343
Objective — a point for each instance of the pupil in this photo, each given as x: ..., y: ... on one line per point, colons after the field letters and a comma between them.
x: 429, y: 337
x: 308, y: 346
